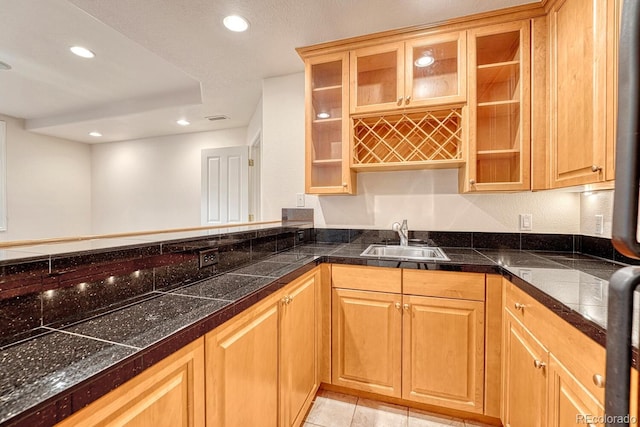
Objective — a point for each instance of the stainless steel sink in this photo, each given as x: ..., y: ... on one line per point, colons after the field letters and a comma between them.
x: 420, y: 253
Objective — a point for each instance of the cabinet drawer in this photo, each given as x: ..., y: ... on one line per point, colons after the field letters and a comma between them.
x: 444, y: 284
x: 524, y: 308
x: 378, y: 279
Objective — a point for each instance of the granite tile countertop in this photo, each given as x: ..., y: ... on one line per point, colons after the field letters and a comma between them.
x: 67, y: 362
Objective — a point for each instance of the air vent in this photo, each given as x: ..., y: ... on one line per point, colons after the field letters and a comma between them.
x: 216, y: 118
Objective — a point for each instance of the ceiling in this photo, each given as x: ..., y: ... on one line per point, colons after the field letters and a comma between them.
x: 158, y: 61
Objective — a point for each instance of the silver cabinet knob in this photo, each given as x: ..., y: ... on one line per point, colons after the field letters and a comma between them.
x: 406, y: 306
x: 519, y: 306
x: 407, y: 100
x: 596, y: 168
x: 400, y: 100
x: 472, y: 181
x: 598, y: 380
x: 398, y: 305
x: 539, y: 364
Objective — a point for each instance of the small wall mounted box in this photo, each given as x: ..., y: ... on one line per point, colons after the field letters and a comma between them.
x: 208, y: 257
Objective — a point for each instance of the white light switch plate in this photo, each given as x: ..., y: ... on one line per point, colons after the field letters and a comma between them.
x: 526, y: 222
x: 599, y: 224
x: 300, y: 200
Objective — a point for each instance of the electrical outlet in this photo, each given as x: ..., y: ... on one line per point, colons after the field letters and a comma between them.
x: 526, y: 222
x: 599, y: 224
x: 300, y: 200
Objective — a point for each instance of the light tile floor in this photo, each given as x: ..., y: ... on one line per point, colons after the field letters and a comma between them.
x: 331, y: 409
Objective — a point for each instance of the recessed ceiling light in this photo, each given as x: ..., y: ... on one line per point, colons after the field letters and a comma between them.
x: 236, y: 23
x: 183, y: 122
x: 4, y: 66
x: 96, y: 134
x: 82, y: 51
x: 323, y: 115
x: 424, y: 61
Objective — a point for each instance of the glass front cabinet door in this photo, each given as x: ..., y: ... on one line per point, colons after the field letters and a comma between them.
x: 419, y: 72
x: 499, y: 103
x: 327, y: 119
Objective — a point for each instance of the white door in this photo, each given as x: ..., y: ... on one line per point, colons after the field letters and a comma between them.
x: 254, y: 180
x: 225, y: 185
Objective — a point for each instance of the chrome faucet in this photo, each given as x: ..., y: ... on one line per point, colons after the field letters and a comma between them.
x: 403, y: 232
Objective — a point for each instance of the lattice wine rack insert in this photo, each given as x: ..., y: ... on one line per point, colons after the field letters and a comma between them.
x: 410, y: 137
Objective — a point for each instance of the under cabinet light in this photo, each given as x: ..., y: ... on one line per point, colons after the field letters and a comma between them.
x: 95, y: 134
x: 183, y: 122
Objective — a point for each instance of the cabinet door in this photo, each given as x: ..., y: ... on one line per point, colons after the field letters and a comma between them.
x: 327, y: 125
x: 169, y: 394
x: 366, y: 350
x: 436, y: 70
x: 570, y: 403
x: 578, y: 42
x: 242, y: 365
x: 377, y: 78
x: 499, y: 105
x: 443, y: 354
x: 524, y: 388
x: 299, y: 349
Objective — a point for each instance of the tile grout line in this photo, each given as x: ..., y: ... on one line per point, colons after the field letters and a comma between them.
x: 92, y: 338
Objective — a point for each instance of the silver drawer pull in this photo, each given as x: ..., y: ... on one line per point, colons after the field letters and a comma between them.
x: 598, y: 380
x: 539, y: 364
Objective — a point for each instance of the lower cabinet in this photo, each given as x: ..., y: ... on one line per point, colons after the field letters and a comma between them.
x: 553, y: 375
x: 443, y: 352
x: 262, y: 366
x: 367, y: 341
x: 570, y: 403
x: 426, y: 349
x: 242, y: 367
x: 299, y: 358
x: 170, y: 393
x: 524, y: 377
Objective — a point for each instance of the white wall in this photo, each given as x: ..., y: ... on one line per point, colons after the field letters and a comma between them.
x: 592, y: 204
x: 429, y: 199
x: 282, y: 143
x: 152, y: 183
x: 48, y: 185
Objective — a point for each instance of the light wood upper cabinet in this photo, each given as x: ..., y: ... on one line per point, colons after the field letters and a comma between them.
x: 425, y: 71
x: 170, y: 393
x: 327, y: 125
x: 443, y: 352
x: 580, y: 33
x: 499, y: 109
x: 435, y: 70
x: 524, y: 370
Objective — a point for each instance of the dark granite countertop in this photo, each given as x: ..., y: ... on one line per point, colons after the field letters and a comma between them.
x: 48, y: 377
